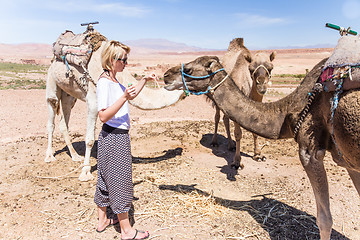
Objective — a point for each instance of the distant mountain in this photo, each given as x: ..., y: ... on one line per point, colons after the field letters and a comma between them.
x: 27, y: 50
x: 305, y: 47
x: 161, y: 45
x: 141, y: 46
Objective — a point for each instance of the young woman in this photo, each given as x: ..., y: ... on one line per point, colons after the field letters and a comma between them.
x: 114, y: 185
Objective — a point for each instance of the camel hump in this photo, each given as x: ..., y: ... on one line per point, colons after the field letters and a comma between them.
x: 236, y: 44
x: 346, y: 52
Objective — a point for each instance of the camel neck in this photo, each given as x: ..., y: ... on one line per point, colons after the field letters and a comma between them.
x: 274, y: 120
x: 264, y: 119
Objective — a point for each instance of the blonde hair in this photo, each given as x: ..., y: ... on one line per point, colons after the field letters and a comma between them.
x: 113, y: 50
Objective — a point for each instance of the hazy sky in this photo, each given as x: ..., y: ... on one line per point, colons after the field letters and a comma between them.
x: 202, y: 23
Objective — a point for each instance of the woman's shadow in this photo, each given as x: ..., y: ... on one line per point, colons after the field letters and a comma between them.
x: 280, y: 220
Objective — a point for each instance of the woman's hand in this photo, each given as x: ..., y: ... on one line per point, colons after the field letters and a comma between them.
x: 151, y: 76
x: 130, y: 92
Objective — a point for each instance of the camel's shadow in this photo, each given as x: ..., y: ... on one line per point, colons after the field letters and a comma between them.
x: 222, y: 151
x: 80, y: 148
x: 280, y: 220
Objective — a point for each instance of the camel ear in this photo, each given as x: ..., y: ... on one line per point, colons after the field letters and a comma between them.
x: 214, y: 58
x: 272, y: 56
x: 212, y: 63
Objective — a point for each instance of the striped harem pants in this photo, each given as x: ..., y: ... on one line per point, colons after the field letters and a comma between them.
x: 114, y: 164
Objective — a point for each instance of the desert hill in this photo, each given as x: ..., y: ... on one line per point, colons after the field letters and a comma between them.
x: 150, y: 54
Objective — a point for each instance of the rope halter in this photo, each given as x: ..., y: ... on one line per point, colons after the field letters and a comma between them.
x: 209, y: 89
x: 257, y: 68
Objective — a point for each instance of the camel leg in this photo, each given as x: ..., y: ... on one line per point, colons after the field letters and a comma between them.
x: 355, y: 177
x: 53, y: 94
x: 67, y: 103
x: 226, y: 120
x: 53, y: 105
x: 92, y: 113
x: 214, y: 141
x: 237, y: 158
x: 257, y: 150
x: 312, y: 161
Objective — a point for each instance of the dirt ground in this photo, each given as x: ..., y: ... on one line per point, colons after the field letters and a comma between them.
x: 184, y: 188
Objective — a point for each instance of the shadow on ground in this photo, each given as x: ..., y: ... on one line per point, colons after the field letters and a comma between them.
x: 222, y: 151
x: 280, y: 220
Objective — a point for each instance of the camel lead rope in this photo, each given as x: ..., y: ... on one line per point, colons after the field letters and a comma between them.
x: 216, y: 86
x: 315, y: 90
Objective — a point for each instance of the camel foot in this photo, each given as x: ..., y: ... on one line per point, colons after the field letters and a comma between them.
x: 259, y: 158
x: 77, y: 158
x: 237, y: 166
x: 86, y: 174
x: 49, y: 158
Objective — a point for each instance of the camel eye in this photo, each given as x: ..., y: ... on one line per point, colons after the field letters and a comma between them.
x: 187, y: 70
x: 269, y: 66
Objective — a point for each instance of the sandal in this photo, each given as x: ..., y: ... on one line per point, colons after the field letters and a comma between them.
x: 134, y: 238
x: 111, y: 223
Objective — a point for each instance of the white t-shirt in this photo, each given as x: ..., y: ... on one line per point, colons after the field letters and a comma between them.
x: 108, y: 92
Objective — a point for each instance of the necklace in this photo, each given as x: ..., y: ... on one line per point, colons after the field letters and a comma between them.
x: 107, y: 73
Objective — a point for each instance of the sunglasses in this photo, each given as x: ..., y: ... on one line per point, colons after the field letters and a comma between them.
x: 124, y: 60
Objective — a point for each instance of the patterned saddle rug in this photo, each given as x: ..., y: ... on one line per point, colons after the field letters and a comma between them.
x: 343, y: 66
x: 77, y: 48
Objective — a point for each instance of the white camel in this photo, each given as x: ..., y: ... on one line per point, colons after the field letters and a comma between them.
x: 62, y: 93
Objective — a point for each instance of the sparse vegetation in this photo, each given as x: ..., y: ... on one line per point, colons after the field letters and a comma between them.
x: 292, y: 79
x: 22, y: 76
x: 21, y: 68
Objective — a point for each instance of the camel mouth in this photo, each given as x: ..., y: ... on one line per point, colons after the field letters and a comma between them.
x: 172, y: 82
x: 169, y: 87
x: 262, y: 91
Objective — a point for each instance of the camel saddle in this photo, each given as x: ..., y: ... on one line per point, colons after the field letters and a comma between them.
x: 73, y: 48
x: 77, y: 48
x: 342, y: 69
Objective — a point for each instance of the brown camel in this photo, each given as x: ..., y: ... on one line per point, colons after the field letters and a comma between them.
x: 251, y: 73
x: 277, y: 120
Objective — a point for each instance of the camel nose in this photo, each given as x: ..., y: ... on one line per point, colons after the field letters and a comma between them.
x: 262, y: 91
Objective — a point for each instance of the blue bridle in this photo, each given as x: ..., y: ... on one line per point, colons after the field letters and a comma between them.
x: 187, y: 91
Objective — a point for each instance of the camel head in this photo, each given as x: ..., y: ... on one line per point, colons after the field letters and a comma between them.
x: 201, y: 66
x: 260, y: 68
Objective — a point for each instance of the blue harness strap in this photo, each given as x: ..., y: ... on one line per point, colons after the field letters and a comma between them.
x: 187, y: 91
x: 66, y: 62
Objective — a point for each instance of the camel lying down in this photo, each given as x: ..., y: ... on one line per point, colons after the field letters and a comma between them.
x: 277, y: 120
